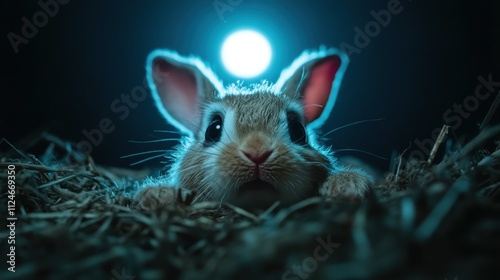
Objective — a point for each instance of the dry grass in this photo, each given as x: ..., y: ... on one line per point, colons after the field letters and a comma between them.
x: 76, y: 220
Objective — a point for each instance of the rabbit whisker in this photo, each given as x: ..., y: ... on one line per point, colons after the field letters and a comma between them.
x: 227, y: 190
x: 361, y: 151
x: 351, y: 124
x: 146, y: 159
x: 144, y: 153
x: 203, y: 189
x: 154, y: 141
x: 166, y: 131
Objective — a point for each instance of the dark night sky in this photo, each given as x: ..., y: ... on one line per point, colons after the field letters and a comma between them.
x: 91, y: 52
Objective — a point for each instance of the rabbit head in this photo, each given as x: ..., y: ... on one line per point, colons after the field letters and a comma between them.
x: 249, y: 145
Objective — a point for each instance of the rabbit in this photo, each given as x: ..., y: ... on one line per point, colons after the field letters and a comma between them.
x: 249, y: 146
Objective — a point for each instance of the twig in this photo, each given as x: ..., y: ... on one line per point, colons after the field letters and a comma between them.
x: 39, y: 168
x: 286, y: 213
x: 491, y: 112
x: 359, y: 234
x: 400, y: 162
x: 13, y: 148
x: 479, y: 141
x: 269, y: 210
x: 429, y: 226
x: 408, y: 213
x: 439, y: 140
x: 242, y: 212
x: 57, y: 181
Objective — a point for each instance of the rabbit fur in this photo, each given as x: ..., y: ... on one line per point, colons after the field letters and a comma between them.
x: 250, y: 146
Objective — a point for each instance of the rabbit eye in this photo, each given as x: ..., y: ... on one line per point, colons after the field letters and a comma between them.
x: 296, y: 129
x: 214, y: 130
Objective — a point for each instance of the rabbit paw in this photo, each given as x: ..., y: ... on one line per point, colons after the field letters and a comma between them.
x: 350, y: 184
x: 150, y: 198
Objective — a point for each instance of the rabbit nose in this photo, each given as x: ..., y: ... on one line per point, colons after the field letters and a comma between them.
x: 258, y: 158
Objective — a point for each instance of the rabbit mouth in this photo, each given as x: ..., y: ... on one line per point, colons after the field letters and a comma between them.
x: 257, y: 185
x: 255, y: 194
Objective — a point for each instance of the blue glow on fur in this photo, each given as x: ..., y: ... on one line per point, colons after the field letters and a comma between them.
x: 201, y: 71
x: 306, y: 57
x: 192, y: 62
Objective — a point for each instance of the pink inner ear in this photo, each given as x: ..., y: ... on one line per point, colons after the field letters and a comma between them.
x: 319, y: 87
x: 177, y: 89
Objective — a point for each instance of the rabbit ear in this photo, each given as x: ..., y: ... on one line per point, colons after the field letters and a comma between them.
x: 314, y: 78
x: 180, y: 86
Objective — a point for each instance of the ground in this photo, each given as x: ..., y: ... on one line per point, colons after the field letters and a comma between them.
x: 78, y: 220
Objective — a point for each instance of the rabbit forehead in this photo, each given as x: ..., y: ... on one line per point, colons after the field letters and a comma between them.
x: 259, y: 111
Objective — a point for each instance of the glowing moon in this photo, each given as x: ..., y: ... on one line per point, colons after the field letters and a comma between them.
x: 246, y: 53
